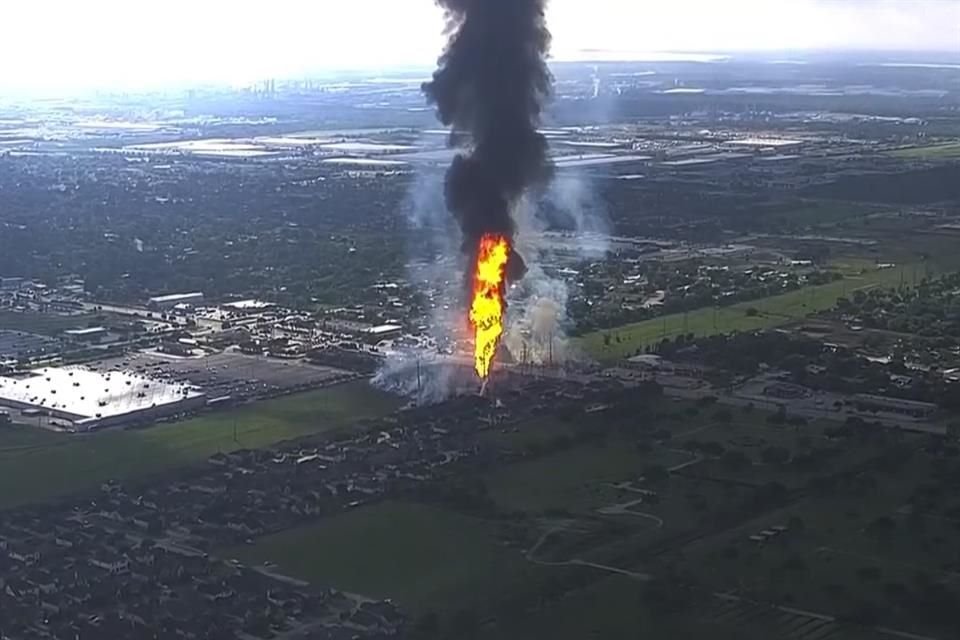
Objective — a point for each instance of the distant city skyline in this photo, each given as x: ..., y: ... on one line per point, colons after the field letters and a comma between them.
x: 50, y: 44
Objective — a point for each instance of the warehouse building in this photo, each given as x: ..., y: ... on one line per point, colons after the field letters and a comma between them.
x: 170, y: 301
x: 79, y: 399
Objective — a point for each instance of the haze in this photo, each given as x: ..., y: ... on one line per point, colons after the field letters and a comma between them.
x: 55, y: 44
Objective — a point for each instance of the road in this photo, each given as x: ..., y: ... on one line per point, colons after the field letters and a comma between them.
x: 577, y: 562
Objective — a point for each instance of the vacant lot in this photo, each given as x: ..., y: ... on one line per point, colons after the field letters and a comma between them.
x: 426, y: 559
x: 614, y: 344
x: 38, y: 465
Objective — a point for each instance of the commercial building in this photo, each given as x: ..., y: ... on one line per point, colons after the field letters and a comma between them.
x: 90, y: 335
x: 81, y: 399
x: 12, y: 284
x: 908, y: 408
x: 18, y: 344
x: 383, y: 332
x: 657, y: 365
x: 172, y: 300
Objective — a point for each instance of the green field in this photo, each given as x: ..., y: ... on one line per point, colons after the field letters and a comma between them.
x: 426, y: 559
x: 576, y: 479
x: 816, y: 213
x: 937, y: 151
x: 37, y: 465
x: 621, y: 342
x: 41, y: 323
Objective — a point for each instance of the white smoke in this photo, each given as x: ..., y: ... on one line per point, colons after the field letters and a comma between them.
x: 435, y: 270
x: 573, y: 195
x: 536, y: 332
x: 427, y: 378
x: 436, y: 265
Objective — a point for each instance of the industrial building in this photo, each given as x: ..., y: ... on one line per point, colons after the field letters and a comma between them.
x: 12, y: 283
x: 19, y: 344
x: 899, y: 406
x: 174, y: 299
x: 90, y: 335
x: 80, y: 399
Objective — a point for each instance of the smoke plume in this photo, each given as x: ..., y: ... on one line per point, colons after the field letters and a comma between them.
x: 490, y: 87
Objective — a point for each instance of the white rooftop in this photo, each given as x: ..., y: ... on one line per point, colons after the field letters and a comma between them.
x: 246, y: 305
x: 173, y: 297
x: 83, y: 393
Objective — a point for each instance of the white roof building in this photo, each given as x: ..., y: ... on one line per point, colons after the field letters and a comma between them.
x: 89, y: 399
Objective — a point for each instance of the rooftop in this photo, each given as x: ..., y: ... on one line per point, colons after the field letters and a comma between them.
x: 82, y: 393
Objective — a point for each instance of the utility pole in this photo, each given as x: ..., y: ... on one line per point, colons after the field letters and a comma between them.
x: 419, y: 384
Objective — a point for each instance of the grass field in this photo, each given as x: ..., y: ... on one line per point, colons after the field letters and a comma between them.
x: 575, y: 479
x: 771, y: 312
x: 41, y: 323
x: 37, y: 465
x: 816, y: 213
x: 937, y: 151
x: 426, y: 559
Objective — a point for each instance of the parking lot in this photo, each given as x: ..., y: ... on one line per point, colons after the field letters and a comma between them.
x: 17, y: 344
x: 229, y: 374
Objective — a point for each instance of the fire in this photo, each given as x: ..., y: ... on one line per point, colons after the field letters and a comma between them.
x: 487, y: 306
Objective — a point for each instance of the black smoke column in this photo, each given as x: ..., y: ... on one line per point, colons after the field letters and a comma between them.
x: 490, y: 87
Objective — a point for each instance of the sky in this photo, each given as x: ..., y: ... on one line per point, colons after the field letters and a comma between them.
x: 70, y: 44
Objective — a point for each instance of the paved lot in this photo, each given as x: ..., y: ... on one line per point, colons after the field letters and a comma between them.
x: 14, y: 344
x: 229, y: 373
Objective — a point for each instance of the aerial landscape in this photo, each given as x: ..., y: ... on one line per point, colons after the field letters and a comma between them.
x: 512, y: 347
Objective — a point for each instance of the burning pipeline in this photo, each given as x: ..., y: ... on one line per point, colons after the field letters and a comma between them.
x: 488, y: 303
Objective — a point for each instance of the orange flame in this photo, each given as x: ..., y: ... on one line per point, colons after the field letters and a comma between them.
x: 487, y: 306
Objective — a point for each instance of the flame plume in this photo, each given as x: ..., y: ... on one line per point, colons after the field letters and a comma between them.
x: 488, y: 305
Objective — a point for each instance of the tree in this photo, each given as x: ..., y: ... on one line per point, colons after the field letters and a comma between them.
x: 869, y: 574
x: 714, y: 449
x: 707, y: 401
x: 882, y: 527
x: 953, y: 431
x: 771, y: 493
x: 780, y: 417
x: 723, y: 416
x: 655, y: 473
x: 775, y: 455
x: 464, y: 624
x: 796, y: 524
x: 895, y: 590
x: 795, y: 563
x: 735, y: 460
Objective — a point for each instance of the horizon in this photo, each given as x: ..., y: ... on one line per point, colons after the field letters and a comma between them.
x: 109, y: 45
